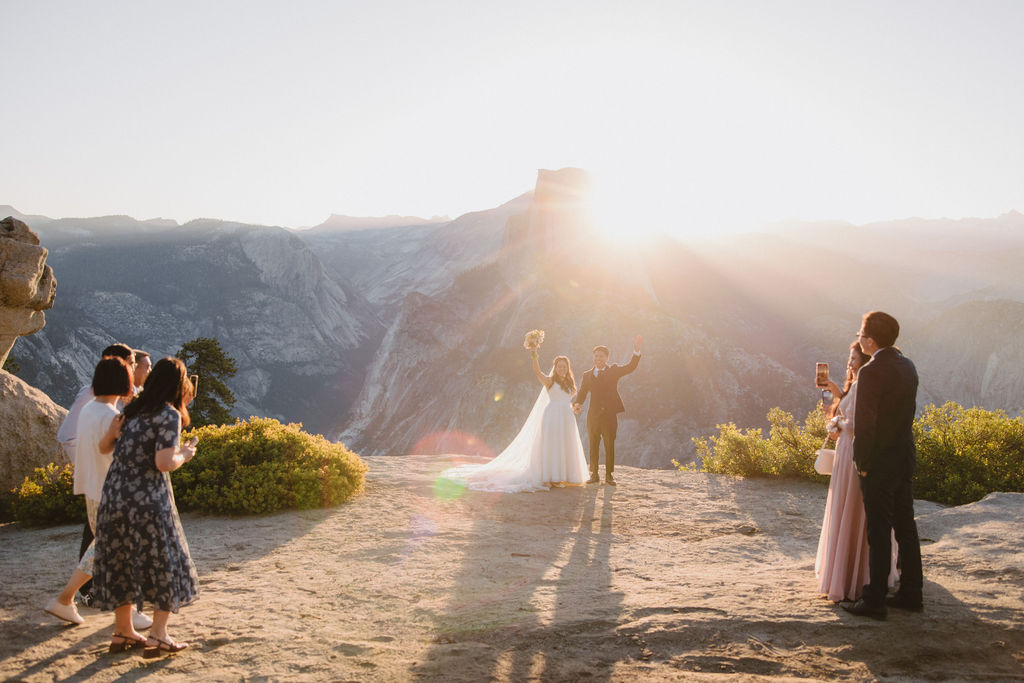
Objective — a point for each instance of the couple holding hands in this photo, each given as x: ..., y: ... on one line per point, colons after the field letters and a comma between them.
x: 547, y: 452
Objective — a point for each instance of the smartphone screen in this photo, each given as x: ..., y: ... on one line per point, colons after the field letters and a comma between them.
x: 821, y: 374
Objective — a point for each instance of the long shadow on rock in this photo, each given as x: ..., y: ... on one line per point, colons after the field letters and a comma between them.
x: 946, y: 641
x: 527, y: 598
x: 217, y: 544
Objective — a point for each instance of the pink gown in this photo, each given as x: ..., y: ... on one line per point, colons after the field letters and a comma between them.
x: 842, y: 561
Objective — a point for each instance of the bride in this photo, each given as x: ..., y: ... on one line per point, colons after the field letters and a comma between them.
x: 547, y: 451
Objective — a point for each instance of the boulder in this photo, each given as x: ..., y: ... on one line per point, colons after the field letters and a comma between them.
x: 27, y: 285
x: 29, y: 421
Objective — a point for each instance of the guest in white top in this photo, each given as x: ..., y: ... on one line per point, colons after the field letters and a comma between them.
x: 98, y: 427
x: 69, y: 427
x: 69, y: 430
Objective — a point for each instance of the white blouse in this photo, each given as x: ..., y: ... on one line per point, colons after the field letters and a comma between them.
x: 90, y: 465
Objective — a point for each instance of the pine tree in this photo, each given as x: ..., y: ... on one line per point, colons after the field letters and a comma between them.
x: 204, y: 357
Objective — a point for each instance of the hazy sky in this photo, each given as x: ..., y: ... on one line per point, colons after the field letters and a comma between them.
x: 692, y: 113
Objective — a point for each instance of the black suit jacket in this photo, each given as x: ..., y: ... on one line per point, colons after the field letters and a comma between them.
x: 604, y: 389
x: 883, y: 424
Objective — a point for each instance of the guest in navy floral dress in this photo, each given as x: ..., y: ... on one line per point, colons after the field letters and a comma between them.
x: 141, y: 552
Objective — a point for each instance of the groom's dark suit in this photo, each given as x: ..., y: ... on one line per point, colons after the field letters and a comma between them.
x: 883, y: 447
x: 605, y: 406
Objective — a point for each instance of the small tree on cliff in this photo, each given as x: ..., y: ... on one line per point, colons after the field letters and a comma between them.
x: 11, y: 365
x: 204, y: 357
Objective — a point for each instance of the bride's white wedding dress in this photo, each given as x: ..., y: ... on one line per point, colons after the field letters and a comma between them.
x: 546, y: 452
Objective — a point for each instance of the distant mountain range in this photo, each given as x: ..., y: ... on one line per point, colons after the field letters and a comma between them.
x: 401, y: 334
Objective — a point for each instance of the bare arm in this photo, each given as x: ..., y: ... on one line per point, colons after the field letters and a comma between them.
x: 174, y: 454
x: 170, y: 459
x: 544, y: 379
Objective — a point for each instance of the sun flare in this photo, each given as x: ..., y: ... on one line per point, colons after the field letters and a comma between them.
x: 622, y: 213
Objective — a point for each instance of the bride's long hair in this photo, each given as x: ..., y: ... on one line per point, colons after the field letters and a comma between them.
x: 569, y: 382
x: 851, y: 377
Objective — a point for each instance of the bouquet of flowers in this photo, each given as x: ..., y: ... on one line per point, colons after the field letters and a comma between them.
x: 534, y: 338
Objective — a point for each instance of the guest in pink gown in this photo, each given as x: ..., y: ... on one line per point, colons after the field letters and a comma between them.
x: 842, y: 561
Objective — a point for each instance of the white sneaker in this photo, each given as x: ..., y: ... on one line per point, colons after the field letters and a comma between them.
x: 140, y: 621
x: 65, y: 612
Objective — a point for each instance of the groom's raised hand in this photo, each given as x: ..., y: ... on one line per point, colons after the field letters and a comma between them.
x: 637, y: 343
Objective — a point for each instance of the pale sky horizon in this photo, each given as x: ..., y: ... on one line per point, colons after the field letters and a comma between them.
x: 705, y: 115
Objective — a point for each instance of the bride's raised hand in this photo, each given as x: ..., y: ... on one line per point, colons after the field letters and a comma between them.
x: 637, y: 343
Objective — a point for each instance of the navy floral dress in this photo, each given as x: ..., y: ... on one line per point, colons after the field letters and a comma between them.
x: 141, y: 551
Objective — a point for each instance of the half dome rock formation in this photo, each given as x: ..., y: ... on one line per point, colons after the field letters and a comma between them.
x: 27, y: 286
x: 555, y: 224
x: 28, y: 430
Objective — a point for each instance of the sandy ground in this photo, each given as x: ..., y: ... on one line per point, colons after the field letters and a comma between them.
x: 667, y: 576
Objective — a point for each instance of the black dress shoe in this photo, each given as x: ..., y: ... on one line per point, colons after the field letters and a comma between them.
x: 863, y: 609
x: 594, y: 479
x: 906, y: 602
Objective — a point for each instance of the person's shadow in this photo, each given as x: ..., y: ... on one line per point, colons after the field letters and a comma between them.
x: 218, y: 544
x: 540, y: 613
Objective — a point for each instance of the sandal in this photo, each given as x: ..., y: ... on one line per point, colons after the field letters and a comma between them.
x: 161, y: 646
x: 119, y: 643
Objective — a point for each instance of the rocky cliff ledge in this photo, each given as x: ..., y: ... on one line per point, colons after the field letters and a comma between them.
x: 28, y: 430
x: 669, y: 576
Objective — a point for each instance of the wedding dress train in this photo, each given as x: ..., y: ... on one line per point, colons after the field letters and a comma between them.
x: 546, y: 452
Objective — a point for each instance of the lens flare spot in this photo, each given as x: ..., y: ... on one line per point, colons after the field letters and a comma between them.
x: 446, y: 489
x: 452, y: 442
x: 498, y: 395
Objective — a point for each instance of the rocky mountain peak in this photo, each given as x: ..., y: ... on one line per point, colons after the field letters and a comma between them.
x: 556, y: 221
x: 341, y: 223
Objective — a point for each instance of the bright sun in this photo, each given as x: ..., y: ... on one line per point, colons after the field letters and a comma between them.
x: 623, y: 212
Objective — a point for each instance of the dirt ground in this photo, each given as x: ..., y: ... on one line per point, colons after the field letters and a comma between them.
x: 668, y: 576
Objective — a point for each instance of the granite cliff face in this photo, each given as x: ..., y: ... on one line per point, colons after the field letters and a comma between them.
x: 732, y: 326
x: 451, y: 373
x: 973, y: 351
x: 301, y: 339
x: 404, y: 335
x: 387, y: 263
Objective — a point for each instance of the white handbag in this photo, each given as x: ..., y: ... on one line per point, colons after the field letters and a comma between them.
x: 826, y: 456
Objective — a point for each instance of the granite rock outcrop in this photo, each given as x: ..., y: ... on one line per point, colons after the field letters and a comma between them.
x: 27, y: 285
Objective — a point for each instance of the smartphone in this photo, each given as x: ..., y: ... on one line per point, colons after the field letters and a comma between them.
x: 821, y: 374
x: 195, y: 384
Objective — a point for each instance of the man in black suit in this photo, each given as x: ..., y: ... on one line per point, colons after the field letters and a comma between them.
x: 885, y: 456
x: 602, y: 383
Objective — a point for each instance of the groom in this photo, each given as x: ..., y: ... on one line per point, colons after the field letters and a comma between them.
x: 885, y: 456
x: 601, y: 382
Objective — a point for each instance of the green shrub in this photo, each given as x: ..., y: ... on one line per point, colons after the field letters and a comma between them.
x: 787, y: 452
x: 261, y: 465
x: 963, y: 454
x: 45, y: 497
